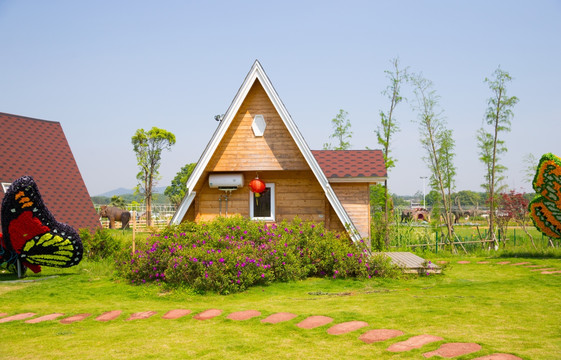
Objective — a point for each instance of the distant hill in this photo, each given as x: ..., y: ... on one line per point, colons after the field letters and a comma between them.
x: 123, y: 191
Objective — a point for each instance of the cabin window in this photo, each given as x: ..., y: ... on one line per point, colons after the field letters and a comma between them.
x: 5, y: 186
x: 263, y: 207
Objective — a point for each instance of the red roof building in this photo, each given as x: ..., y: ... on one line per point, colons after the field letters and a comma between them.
x: 39, y: 148
x: 352, y: 164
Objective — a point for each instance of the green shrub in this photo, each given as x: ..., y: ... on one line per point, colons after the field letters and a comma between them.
x: 231, y: 254
x: 99, y: 245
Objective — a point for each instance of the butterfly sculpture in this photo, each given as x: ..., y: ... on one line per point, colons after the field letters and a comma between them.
x: 31, y: 234
x: 545, y: 209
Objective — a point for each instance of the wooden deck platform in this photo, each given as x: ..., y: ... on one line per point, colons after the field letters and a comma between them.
x: 412, y: 263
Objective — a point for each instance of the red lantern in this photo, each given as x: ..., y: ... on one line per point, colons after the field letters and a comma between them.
x: 257, y: 186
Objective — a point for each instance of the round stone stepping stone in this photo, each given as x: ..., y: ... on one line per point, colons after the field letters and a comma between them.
x: 176, y: 314
x: 378, y: 335
x: 16, y: 317
x: 314, y: 322
x: 208, y: 314
x: 44, y: 318
x: 109, y: 315
x: 3, y: 314
x: 483, y: 262
x: 279, y: 317
x: 243, y: 315
x: 503, y: 263
x: 520, y: 263
x: 74, y: 318
x: 463, y: 262
x: 442, y: 262
x: 498, y: 356
x: 141, y: 315
x: 451, y: 350
x: 413, y: 343
x: 544, y: 269
x: 551, y: 272
x: 346, y: 327
x: 533, y: 266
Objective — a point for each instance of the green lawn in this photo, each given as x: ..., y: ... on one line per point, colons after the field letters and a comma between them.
x: 503, y: 308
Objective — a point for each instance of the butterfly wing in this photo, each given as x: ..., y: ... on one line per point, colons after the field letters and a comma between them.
x: 545, y: 209
x: 31, y: 231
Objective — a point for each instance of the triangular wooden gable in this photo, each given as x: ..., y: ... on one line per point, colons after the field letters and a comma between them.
x: 226, y: 152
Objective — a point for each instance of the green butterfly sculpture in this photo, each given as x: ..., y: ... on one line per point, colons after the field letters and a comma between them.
x: 545, y: 209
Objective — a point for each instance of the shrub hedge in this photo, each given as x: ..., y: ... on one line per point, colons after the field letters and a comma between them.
x: 231, y: 254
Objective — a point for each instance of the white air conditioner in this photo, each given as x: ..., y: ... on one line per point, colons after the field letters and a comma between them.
x: 225, y: 181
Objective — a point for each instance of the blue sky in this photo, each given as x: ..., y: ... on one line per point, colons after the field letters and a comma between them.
x: 106, y: 68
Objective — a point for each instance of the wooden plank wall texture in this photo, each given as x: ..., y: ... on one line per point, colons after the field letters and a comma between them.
x: 355, y: 198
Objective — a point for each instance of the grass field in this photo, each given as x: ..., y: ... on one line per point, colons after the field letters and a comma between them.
x: 503, y: 308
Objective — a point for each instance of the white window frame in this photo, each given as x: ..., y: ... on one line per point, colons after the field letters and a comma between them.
x: 5, y: 186
x: 271, y: 186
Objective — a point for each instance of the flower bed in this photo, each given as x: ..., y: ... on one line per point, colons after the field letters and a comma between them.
x: 231, y: 254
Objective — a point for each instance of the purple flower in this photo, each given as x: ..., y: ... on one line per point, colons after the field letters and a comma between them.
x: 263, y: 275
x: 221, y: 260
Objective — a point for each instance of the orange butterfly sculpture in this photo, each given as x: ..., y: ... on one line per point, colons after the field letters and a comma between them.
x: 545, y: 209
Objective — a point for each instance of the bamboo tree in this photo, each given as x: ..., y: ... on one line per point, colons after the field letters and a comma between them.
x: 438, y: 144
x: 497, y: 116
x: 388, y: 127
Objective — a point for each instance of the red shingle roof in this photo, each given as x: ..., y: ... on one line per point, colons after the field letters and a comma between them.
x: 351, y: 163
x: 38, y: 148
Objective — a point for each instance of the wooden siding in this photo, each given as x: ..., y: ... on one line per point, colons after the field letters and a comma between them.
x: 297, y: 194
x: 241, y: 150
x: 355, y: 198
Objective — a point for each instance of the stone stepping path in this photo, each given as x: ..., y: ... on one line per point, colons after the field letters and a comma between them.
x: 208, y: 314
x: 44, y: 318
x: 108, y: 316
x: 451, y: 350
x: 346, y: 327
x: 315, y: 321
x: 279, y: 317
x: 243, y: 315
x: 141, y: 315
x: 17, y: 317
x: 75, y: 318
x: 413, y: 343
x: 447, y: 350
x: 176, y: 314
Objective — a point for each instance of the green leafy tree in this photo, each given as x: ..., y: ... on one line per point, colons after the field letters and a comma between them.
x: 341, y: 132
x: 438, y: 144
x: 498, y: 117
x: 389, y: 126
x: 118, y: 201
x: 178, y: 188
x: 148, y: 147
x: 467, y: 198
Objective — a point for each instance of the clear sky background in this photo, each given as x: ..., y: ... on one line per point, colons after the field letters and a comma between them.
x: 104, y: 69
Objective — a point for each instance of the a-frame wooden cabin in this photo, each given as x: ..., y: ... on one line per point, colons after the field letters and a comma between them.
x: 257, y: 137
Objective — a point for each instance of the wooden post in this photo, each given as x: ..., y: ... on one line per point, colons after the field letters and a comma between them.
x: 133, y: 216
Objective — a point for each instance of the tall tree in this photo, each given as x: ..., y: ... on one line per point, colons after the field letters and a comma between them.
x: 178, y: 188
x: 497, y: 116
x: 389, y: 126
x: 341, y: 132
x: 438, y: 144
x: 148, y: 147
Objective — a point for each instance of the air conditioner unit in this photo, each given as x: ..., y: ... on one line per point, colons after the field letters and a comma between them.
x: 225, y: 181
